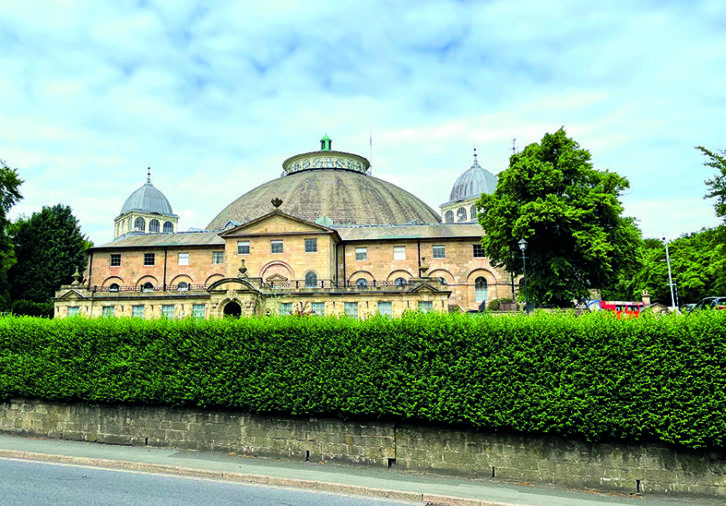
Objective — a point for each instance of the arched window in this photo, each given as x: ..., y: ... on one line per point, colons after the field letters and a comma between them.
x: 461, y: 214
x: 183, y: 286
x: 311, y: 280
x: 113, y: 287
x: 168, y: 227
x: 140, y: 224
x: 400, y: 282
x: 361, y: 283
x: 154, y: 226
x: 148, y: 287
x: 480, y: 290
x: 472, y: 212
x: 449, y: 216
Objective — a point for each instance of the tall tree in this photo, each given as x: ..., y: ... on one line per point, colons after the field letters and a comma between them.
x: 698, y: 265
x: 717, y: 185
x: 9, y: 194
x: 49, y: 247
x: 569, y: 213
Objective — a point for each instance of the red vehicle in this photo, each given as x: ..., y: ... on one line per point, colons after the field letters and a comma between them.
x: 622, y: 308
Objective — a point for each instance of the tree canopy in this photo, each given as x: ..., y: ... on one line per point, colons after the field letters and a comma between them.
x: 717, y: 185
x: 49, y: 247
x: 569, y: 213
x: 9, y: 195
x: 698, y: 266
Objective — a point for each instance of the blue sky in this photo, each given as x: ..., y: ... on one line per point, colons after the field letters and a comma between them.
x: 214, y: 98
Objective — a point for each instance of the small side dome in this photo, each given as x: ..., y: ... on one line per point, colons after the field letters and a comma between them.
x: 147, y: 199
x: 473, y: 183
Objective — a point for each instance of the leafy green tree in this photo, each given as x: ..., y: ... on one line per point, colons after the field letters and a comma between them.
x: 717, y: 185
x: 9, y: 194
x: 698, y: 266
x: 49, y: 247
x: 569, y: 213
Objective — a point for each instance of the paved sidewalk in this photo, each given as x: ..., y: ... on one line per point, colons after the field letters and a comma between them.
x: 413, y: 487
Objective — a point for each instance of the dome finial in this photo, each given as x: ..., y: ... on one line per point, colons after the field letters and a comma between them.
x: 476, y: 162
x: 148, y: 175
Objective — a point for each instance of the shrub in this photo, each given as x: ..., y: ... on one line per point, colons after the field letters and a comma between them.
x: 593, y: 376
x: 494, y: 304
x: 30, y: 308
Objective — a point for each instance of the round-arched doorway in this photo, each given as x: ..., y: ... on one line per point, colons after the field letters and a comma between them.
x: 232, y: 309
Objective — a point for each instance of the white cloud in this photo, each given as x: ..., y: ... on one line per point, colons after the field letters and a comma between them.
x: 214, y: 98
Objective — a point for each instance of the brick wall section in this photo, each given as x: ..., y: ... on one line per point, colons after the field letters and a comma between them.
x: 626, y: 468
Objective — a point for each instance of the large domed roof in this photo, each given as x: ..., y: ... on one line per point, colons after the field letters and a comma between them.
x: 329, y: 184
x: 347, y: 197
x: 147, y: 199
x: 473, y: 183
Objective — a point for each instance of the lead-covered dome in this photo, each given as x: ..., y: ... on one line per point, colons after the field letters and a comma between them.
x: 329, y: 185
x: 472, y: 183
x: 147, y: 199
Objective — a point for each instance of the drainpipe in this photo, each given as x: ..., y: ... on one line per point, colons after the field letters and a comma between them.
x: 165, y: 251
x: 418, y: 272
x: 90, y: 268
x: 344, y: 276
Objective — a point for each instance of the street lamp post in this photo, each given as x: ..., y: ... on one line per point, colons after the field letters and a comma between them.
x: 670, y: 276
x: 523, y: 247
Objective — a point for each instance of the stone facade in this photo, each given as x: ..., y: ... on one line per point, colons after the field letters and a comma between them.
x: 624, y: 468
x: 278, y: 264
x: 338, y: 241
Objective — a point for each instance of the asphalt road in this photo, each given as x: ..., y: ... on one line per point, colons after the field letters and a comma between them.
x: 24, y: 483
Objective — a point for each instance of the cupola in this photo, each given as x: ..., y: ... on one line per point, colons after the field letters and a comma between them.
x: 466, y: 191
x: 146, y: 211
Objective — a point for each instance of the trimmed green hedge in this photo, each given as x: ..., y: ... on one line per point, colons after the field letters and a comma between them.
x: 593, y: 376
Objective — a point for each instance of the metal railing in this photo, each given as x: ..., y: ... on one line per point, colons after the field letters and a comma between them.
x: 292, y: 284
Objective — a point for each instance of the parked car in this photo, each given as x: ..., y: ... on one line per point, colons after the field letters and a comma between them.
x: 711, y: 303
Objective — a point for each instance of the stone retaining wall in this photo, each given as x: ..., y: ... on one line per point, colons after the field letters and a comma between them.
x: 615, y: 467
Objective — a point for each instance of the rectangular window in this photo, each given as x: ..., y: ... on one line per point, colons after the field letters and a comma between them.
x: 399, y: 252
x: 149, y: 258
x: 74, y: 310
x: 183, y: 258
x: 439, y: 251
x: 275, y: 246
x: 285, y: 308
x: 115, y: 259
x: 217, y: 257
x: 199, y: 311
x: 385, y: 309
x: 243, y: 247
x: 318, y: 308
x: 478, y: 251
x: 137, y: 311
x: 351, y: 309
x: 425, y: 305
x: 108, y: 311
x: 361, y: 253
x: 167, y: 311
x: 311, y: 245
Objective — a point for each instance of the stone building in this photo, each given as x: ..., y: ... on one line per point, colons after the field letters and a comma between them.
x: 326, y: 238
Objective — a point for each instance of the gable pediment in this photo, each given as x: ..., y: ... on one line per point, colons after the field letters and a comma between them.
x: 424, y: 287
x: 275, y: 223
x: 71, y: 295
